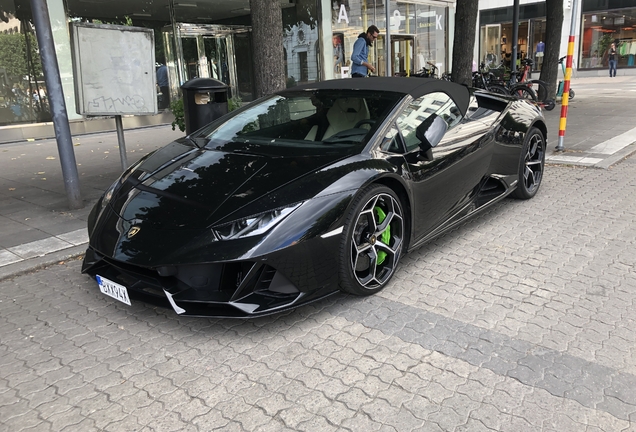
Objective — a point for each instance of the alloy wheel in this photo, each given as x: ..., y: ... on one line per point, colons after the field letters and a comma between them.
x: 376, y: 241
x: 533, y: 169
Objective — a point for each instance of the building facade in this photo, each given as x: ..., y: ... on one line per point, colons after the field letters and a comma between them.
x: 598, y: 24
x: 212, y: 38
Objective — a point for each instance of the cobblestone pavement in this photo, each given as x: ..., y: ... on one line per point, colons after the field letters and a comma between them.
x: 523, y: 319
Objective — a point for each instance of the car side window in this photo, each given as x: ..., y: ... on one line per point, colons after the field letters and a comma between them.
x: 420, y: 109
x: 391, y: 141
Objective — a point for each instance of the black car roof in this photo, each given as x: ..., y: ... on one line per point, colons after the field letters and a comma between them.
x: 413, y: 86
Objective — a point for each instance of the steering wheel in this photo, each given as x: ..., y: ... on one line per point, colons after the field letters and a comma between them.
x: 370, y: 122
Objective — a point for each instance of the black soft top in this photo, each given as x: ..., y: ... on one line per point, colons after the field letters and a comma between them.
x: 413, y: 86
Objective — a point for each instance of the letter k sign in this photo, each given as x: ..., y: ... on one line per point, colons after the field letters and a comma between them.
x: 438, y: 22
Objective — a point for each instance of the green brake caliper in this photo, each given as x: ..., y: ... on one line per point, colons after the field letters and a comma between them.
x: 385, y: 236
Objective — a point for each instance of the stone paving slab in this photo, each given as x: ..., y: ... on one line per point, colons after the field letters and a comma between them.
x: 522, y: 319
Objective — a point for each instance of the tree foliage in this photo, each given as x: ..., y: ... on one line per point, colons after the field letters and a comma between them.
x: 554, y: 26
x: 14, y: 55
x: 464, y: 42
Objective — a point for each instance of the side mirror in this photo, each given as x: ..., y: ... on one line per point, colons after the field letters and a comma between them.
x: 430, y: 132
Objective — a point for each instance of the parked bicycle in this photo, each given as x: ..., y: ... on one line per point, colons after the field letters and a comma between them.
x: 430, y: 72
x: 524, y: 87
x: 486, y: 80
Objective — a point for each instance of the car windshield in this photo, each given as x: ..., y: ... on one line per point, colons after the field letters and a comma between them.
x: 305, y: 122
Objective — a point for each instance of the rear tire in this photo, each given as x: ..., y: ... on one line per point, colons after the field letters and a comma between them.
x: 571, y: 94
x: 372, y: 242
x: 495, y: 88
x: 522, y: 91
x: 531, y: 165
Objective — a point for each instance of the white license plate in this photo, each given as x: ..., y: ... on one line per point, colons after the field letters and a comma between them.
x: 112, y: 289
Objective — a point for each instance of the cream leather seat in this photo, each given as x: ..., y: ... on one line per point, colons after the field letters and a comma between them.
x: 345, y: 114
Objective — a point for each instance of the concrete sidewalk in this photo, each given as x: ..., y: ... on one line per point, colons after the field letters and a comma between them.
x: 36, y: 227
x: 601, y: 123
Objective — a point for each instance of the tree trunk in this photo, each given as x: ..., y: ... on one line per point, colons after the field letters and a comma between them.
x: 465, y: 24
x: 267, y: 34
x: 553, y: 25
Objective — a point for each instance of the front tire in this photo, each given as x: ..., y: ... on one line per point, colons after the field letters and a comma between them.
x: 372, y: 242
x: 531, y: 165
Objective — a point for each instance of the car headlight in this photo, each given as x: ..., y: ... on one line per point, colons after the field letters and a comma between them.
x: 253, y: 225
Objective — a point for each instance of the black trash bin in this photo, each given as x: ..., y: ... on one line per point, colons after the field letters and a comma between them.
x: 204, y: 100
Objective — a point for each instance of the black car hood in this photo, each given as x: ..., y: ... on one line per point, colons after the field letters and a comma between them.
x: 181, y: 186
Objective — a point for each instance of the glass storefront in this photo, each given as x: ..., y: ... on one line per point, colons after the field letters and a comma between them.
x: 602, y: 22
x: 537, y: 42
x: 214, y: 39
x: 23, y: 95
x: 496, y: 43
x: 418, y: 35
x: 496, y: 36
x: 208, y: 51
x: 600, y: 29
x: 189, y: 40
x: 490, y: 45
x: 192, y: 39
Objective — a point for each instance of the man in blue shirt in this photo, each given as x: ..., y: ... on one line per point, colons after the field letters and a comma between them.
x: 360, y: 65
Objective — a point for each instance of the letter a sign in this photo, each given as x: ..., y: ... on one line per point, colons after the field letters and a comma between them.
x: 342, y: 15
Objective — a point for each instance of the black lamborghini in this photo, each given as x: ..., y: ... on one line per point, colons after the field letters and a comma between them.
x: 313, y: 190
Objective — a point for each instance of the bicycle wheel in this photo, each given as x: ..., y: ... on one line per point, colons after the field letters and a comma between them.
x: 542, y: 89
x: 522, y: 91
x: 494, y: 88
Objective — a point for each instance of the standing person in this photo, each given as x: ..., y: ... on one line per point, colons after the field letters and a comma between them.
x: 162, y: 82
x: 360, y: 65
x: 612, y: 59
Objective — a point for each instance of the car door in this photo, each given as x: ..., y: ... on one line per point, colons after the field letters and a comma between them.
x: 444, y: 185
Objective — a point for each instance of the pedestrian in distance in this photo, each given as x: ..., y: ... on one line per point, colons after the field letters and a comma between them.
x: 163, y: 83
x: 612, y: 60
x: 360, y: 66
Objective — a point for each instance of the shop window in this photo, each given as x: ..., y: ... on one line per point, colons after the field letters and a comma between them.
x: 22, y: 90
x: 602, y: 28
